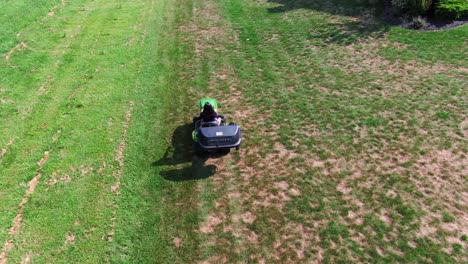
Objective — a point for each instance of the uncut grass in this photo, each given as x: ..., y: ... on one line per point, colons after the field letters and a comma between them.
x: 340, y: 123
x: 86, y: 101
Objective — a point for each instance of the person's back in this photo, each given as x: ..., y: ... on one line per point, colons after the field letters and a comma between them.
x: 208, y: 114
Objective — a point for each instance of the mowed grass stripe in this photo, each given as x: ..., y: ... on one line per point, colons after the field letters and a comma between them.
x: 159, y: 211
x: 16, y: 88
x: 82, y: 159
x: 17, y: 16
x: 119, y: 157
x: 31, y: 77
x: 33, y: 134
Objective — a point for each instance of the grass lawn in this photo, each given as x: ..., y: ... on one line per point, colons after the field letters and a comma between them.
x: 354, y: 134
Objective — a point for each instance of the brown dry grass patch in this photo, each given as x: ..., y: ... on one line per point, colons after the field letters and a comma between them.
x: 441, y: 178
x: 259, y: 185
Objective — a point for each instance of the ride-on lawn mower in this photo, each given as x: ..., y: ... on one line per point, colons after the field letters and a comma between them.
x: 212, y: 136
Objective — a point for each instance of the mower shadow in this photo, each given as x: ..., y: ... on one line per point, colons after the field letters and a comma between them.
x: 174, y: 165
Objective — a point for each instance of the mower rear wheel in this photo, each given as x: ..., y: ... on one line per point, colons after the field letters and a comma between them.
x: 225, y: 150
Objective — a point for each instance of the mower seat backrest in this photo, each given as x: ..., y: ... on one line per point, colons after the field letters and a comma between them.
x: 210, y: 124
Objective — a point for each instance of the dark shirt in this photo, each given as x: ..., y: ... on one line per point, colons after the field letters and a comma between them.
x: 206, y: 118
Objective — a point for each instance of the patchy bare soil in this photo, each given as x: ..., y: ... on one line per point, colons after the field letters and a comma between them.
x: 19, y: 217
x: 119, y: 157
x: 264, y: 186
x: 19, y: 46
x: 5, y: 149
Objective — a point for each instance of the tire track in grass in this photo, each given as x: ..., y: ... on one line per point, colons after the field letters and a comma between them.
x: 32, y: 184
x: 59, y: 98
x: 22, y: 44
x: 19, y: 46
x: 52, y: 10
x: 49, y: 79
x: 119, y: 157
x: 228, y: 182
x: 13, y: 232
x: 5, y: 149
x: 45, y: 85
x: 105, y: 222
x: 40, y: 91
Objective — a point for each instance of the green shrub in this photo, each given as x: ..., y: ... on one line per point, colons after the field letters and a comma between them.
x: 452, y: 9
x: 401, y: 5
x: 422, y: 6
